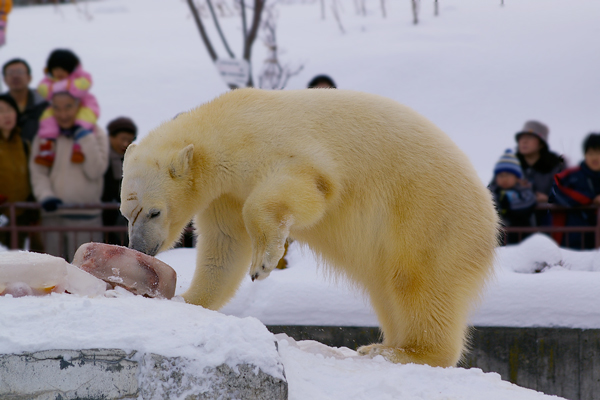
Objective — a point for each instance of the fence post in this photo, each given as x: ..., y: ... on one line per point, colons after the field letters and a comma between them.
x: 14, y: 235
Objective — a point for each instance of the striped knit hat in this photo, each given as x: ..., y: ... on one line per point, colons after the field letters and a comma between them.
x: 509, y: 163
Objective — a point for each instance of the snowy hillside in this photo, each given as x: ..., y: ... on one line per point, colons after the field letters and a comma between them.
x: 479, y: 70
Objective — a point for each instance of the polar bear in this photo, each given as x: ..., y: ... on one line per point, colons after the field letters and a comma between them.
x: 376, y: 190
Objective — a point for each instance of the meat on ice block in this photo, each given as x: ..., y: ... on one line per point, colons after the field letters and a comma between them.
x: 120, y: 266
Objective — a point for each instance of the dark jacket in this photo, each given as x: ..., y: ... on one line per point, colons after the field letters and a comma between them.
x: 112, y: 186
x: 541, y: 174
x: 573, y: 187
x: 29, y: 119
x: 515, y: 205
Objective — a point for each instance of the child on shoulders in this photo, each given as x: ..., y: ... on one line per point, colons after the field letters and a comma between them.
x: 64, y: 73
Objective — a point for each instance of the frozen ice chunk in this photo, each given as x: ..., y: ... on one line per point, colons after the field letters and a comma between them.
x: 42, y: 273
x: 23, y: 274
x: 83, y: 283
x: 120, y: 266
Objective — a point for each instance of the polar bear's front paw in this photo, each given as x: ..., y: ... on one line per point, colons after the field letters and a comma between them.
x: 260, y: 273
x: 263, y: 264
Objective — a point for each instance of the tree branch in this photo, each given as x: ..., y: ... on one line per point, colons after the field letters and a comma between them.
x: 218, y: 26
x: 205, y: 38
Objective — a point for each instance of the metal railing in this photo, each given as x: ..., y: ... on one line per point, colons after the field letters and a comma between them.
x: 560, y: 234
x: 556, y: 232
x: 15, y: 230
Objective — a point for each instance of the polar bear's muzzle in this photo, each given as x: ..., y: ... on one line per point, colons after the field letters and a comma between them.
x: 138, y: 241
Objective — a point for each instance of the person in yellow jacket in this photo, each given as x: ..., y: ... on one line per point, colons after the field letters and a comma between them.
x: 5, y: 7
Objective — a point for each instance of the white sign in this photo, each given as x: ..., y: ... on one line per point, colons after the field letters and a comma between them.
x: 234, y: 72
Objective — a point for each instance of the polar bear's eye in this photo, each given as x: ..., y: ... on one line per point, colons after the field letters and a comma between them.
x: 154, y: 214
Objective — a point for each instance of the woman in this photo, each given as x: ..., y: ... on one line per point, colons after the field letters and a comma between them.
x: 14, y: 171
x: 538, y: 163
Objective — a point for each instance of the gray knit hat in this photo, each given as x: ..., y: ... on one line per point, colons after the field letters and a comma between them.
x: 536, y: 129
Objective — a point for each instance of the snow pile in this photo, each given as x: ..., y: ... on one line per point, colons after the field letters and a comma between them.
x: 316, y: 371
x: 167, y: 327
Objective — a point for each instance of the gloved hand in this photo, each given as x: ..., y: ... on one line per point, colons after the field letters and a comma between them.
x: 51, y: 204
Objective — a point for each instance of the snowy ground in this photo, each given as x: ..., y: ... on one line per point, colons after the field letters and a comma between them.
x: 564, y: 294
x: 478, y: 71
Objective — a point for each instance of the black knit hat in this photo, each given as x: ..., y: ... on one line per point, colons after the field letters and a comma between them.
x: 62, y: 58
x: 592, y: 141
x: 11, y: 102
x: 321, y: 79
x: 121, y: 124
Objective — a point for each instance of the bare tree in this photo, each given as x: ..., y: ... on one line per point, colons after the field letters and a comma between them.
x: 436, y: 8
x: 336, y: 15
x: 415, y: 10
x: 274, y: 74
x: 249, y: 34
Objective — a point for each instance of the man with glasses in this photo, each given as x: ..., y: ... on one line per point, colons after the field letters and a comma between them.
x: 17, y: 76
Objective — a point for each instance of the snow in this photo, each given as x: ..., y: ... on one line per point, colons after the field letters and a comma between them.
x: 561, y: 295
x: 564, y: 295
x: 479, y: 71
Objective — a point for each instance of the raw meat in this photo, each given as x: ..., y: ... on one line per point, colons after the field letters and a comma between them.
x: 120, y: 266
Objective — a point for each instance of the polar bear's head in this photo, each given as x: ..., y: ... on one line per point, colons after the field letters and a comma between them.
x: 155, y: 196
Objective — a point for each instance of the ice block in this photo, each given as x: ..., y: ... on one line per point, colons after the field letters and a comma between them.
x: 23, y: 273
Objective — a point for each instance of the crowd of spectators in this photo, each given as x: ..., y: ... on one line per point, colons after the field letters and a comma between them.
x: 537, y: 176
x: 52, y: 151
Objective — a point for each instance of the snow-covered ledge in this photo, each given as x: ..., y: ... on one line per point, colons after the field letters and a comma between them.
x: 132, y: 347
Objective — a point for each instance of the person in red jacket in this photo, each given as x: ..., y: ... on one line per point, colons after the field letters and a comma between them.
x: 580, y: 186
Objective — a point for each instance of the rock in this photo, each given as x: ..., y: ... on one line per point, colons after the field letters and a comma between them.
x: 102, y: 374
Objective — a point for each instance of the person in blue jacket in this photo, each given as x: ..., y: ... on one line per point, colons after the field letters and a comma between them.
x: 580, y: 186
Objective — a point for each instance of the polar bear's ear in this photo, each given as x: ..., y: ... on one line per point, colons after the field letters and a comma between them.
x: 129, y: 149
x: 182, y: 162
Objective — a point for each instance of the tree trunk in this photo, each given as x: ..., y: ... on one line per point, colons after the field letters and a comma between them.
x: 415, y: 10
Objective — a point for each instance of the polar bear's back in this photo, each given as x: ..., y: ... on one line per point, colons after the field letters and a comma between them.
x: 386, y: 160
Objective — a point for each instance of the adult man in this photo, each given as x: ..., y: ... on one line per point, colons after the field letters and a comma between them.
x: 17, y: 76
x: 121, y: 133
x: 69, y: 182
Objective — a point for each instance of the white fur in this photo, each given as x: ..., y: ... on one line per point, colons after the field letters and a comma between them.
x: 378, y: 191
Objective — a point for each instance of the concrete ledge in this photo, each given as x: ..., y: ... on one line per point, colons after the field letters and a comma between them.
x: 103, y: 374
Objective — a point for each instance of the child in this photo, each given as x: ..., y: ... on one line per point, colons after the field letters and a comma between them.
x: 514, y: 201
x: 65, y: 74
x: 580, y: 186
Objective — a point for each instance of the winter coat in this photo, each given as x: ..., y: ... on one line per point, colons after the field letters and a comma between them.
x: 515, y: 205
x: 29, y: 121
x: 112, y: 186
x: 68, y: 181
x: 541, y: 174
x: 14, y: 172
x: 577, y: 186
